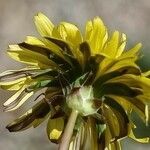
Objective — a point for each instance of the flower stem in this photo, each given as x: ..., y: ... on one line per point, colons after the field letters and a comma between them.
x: 66, y: 137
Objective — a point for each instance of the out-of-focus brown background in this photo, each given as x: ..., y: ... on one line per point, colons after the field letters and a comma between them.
x: 129, y: 16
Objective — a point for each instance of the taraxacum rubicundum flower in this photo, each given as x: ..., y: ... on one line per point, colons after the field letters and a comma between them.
x: 89, y: 86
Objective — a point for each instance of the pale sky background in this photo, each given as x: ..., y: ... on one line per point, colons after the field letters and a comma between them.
x: 16, y: 21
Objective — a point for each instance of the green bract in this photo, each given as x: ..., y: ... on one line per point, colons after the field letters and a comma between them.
x: 90, y: 73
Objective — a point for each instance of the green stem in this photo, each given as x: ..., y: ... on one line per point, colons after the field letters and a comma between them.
x: 66, y: 137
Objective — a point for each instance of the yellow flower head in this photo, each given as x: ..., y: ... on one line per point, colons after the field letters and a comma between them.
x: 91, y: 74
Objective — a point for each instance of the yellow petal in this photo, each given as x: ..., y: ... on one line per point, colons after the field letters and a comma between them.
x: 14, y: 97
x: 72, y: 36
x: 34, y: 41
x: 133, y: 81
x: 55, y: 128
x: 111, y: 65
x: 96, y: 35
x: 13, y: 85
x: 130, y: 104
x: 22, y: 99
x: 111, y: 48
x: 70, y: 33
x: 53, y: 48
x: 33, y: 117
x: 147, y: 114
x: 142, y: 140
x: 47, y: 44
x: 126, y: 63
x: 12, y: 73
x: 126, y: 59
x: 30, y: 57
x: 132, y: 52
x: 43, y: 24
x: 88, y: 30
x: 146, y: 74
x: 111, y: 121
x: 122, y: 45
x: 109, y: 145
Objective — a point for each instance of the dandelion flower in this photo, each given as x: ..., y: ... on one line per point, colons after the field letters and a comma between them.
x: 89, y: 86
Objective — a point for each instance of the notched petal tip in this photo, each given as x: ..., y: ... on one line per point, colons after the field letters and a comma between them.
x: 39, y: 15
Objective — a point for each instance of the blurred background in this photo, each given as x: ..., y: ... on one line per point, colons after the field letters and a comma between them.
x: 16, y: 22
